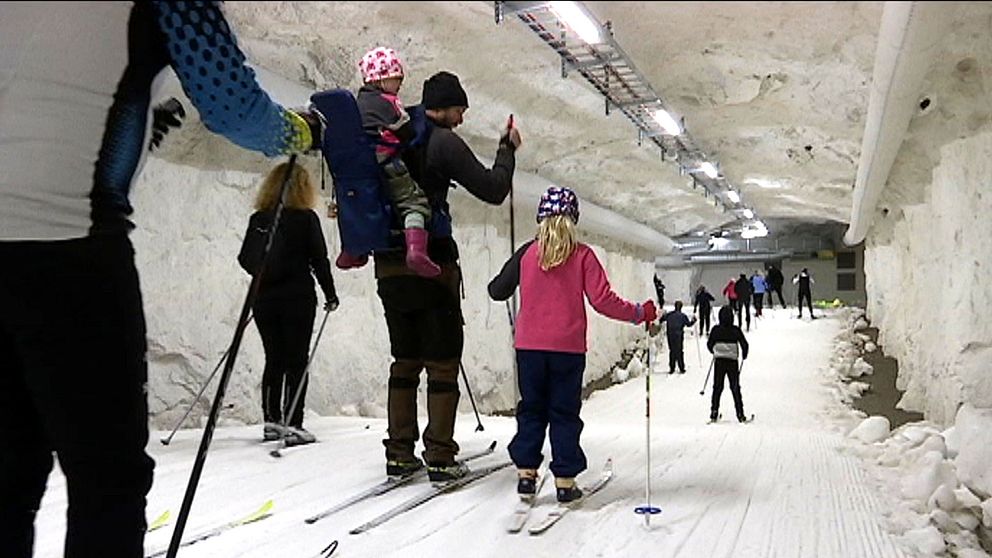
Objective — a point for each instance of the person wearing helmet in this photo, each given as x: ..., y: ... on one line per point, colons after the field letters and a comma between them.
x: 556, y: 274
x: 388, y: 123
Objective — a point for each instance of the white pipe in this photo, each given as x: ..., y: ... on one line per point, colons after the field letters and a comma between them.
x: 908, y: 38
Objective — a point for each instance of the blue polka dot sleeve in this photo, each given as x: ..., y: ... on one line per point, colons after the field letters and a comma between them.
x: 212, y: 70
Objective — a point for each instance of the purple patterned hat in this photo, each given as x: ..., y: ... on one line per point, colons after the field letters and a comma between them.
x: 558, y: 201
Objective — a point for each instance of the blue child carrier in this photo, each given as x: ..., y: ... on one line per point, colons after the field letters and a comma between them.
x: 366, y: 220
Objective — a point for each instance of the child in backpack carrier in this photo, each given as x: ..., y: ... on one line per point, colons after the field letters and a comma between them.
x: 385, y: 119
x: 555, y: 274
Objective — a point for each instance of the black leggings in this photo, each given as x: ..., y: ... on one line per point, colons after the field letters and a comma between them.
x: 726, y: 368
x: 704, y: 319
x: 285, y: 326
x: 809, y: 302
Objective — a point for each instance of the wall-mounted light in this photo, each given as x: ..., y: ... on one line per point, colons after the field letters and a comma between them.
x: 667, y: 122
x: 748, y: 214
x: 754, y: 230
x: 708, y: 169
x: 733, y: 196
x: 575, y: 18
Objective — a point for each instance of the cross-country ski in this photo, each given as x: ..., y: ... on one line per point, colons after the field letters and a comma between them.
x: 555, y: 515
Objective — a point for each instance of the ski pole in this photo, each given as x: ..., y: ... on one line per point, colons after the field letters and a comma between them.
x: 468, y: 388
x: 208, y: 431
x: 165, y: 441
x: 699, y: 358
x: 299, y: 388
x: 647, y: 510
x: 706, y: 381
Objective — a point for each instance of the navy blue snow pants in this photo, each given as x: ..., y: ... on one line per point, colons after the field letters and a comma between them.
x: 550, y: 395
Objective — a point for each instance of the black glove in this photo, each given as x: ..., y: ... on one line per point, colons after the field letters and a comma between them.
x: 331, y: 304
x: 168, y: 114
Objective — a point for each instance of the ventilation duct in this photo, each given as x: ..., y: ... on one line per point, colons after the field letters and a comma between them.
x: 908, y: 38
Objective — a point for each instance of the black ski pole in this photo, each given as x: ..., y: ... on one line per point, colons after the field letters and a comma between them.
x: 208, y: 431
x: 165, y: 441
x: 299, y: 388
x: 706, y: 381
x: 468, y: 388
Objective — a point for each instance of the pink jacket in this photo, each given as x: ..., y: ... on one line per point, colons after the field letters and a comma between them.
x: 552, y: 306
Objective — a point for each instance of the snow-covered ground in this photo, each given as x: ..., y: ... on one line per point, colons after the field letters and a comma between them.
x: 790, y: 484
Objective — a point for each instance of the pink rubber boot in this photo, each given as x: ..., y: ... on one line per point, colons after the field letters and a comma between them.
x: 416, y: 253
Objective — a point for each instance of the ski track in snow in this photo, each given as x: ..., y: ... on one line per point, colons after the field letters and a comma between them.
x: 776, y: 488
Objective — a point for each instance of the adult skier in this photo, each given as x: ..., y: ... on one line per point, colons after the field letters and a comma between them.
x: 659, y: 289
x: 723, y: 343
x: 774, y: 279
x: 703, y: 301
x: 77, y: 81
x: 743, y: 289
x: 805, y: 282
x: 759, y: 286
x: 675, y: 322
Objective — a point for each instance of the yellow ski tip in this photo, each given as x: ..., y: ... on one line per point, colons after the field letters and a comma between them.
x: 160, y: 521
x: 260, y: 513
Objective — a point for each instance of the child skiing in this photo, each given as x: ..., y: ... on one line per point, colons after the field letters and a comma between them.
x: 385, y: 119
x: 554, y: 273
x: 723, y: 343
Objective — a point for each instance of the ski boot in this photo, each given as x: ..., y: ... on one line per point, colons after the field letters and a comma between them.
x: 297, y: 436
x: 444, y: 473
x: 398, y: 468
x: 273, y: 431
x: 567, y: 491
x: 527, y: 483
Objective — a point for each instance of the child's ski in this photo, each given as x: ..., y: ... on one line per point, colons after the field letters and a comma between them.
x: 520, y: 515
x: 434, y: 492
x: 714, y: 421
x: 561, y: 509
x: 389, y: 484
x: 257, y: 515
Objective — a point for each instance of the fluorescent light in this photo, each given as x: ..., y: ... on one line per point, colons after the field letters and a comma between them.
x: 748, y: 214
x: 708, y: 169
x: 667, y: 122
x: 754, y: 230
x: 733, y: 196
x: 576, y: 19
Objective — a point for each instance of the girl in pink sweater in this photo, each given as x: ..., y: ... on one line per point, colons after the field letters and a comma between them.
x: 556, y: 274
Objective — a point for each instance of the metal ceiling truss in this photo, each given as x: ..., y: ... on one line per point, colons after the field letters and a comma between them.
x: 613, y: 74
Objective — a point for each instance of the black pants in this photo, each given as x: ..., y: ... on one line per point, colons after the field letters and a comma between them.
x: 550, y: 396
x: 425, y: 325
x: 805, y: 295
x: 744, y: 309
x: 285, y: 325
x: 73, y: 381
x: 704, y: 319
x: 676, y: 355
x: 759, y: 300
x: 725, y: 367
x: 778, y: 291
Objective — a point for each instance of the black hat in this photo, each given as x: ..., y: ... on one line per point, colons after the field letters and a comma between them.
x: 443, y: 90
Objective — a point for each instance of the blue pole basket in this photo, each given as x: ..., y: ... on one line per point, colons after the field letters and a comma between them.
x: 647, y: 510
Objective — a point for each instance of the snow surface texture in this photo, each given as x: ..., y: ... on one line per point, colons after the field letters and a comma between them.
x: 191, y: 223
x: 935, y: 480
x: 777, y: 487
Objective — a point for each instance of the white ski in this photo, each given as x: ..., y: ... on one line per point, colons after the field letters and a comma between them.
x: 521, y: 514
x: 561, y: 510
x: 261, y: 513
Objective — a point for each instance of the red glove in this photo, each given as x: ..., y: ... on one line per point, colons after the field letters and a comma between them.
x: 650, y: 312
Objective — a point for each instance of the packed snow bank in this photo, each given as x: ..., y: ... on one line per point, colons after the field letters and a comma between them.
x: 939, y: 481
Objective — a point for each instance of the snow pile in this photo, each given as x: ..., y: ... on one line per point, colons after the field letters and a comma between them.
x: 871, y: 430
x: 847, y: 362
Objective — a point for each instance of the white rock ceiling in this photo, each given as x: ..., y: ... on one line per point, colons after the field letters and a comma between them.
x: 776, y: 92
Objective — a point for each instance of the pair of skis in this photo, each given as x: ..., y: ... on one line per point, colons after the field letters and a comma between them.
x: 522, y: 513
x: 748, y: 420
x: 261, y: 513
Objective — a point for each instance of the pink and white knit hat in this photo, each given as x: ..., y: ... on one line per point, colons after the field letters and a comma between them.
x: 380, y: 63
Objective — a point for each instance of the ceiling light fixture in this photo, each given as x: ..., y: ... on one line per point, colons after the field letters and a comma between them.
x: 667, y: 122
x: 733, y: 196
x: 748, y: 214
x: 708, y: 169
x: 575, y: 18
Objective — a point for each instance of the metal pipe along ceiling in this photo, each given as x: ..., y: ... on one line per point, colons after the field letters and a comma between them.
x: 908, y: 38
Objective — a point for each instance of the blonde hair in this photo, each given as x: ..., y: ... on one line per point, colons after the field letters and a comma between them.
x: 556, y: 240
x: 300, y: 194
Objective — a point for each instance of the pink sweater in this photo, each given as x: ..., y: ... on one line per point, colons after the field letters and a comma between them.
x: 552, y: 310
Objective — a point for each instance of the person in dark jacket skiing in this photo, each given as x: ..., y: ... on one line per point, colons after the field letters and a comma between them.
x: 675, y: 323
x: 723, y: 343
x: 775, y: 279
x: 556, y: 274
x: 743, y: 289
x: 423, y: 315
x: 78, y: 82
x: 805, y: 283
x: 703, y: 301
x: 284, y: 310
x: 659, y: 289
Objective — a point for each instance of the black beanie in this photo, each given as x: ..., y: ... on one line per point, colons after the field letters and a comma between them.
x: 443, y: 90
